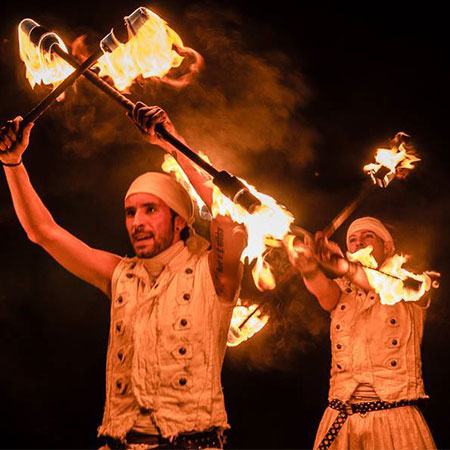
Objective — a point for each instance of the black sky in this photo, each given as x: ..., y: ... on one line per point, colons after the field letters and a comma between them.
x: 293, y: 97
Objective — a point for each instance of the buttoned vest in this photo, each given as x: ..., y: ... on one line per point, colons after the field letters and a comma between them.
x: 166, y: 348
x: 376, y: 344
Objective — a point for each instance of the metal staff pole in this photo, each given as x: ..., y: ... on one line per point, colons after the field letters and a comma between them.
x: 104, y: 46
x: 230, y: 185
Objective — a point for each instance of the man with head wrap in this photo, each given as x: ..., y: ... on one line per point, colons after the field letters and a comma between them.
x: 171, y: 304
x: 376, y: 377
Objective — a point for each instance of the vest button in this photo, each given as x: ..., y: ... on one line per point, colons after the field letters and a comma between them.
x: 119, y: 299
x: 182, y: 351
x: 393, y: 321
x: 342, y: 307
x: 188, y: 271
x: 120, y: 356
x: 338, y: 346
x: 393, y: 363
x: 182, y: 381
x: 183, y: 322
x: 187, y: 296
x: 339, y: 366
x: 348, y: 290
x: 129, y: 275
x: 338, y: 327
x: 394, y: 342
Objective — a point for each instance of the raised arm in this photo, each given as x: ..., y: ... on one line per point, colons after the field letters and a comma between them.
x: 228, y: 239
x: 91, y: 265
x: 303, y: 257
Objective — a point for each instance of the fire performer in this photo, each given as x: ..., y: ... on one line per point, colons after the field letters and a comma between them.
x: 171, y: 304
x: 376, y: 376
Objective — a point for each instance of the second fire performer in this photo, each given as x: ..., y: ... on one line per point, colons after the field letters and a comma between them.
x: 376, y: 375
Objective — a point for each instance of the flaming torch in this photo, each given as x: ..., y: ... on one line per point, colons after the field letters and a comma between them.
x: 45, y: 67
x: 149, y: 25
x: 395, y: 162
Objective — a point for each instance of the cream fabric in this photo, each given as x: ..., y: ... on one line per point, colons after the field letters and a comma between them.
x: 375, y: 344
x: 168, y: 190
x: 401, y: 428
x: 166, y: 348
x: 372, y: 224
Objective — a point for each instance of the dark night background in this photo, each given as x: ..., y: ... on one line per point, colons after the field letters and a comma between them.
x: 295, y: 98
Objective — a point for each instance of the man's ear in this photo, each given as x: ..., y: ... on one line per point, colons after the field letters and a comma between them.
x: 179, y: 223
x: 388, y: 248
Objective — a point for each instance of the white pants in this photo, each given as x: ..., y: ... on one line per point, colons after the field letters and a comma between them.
x: 402, y: 428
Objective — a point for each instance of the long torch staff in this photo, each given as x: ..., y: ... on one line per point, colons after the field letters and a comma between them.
x: 230, y: 185
x: 41, y: 107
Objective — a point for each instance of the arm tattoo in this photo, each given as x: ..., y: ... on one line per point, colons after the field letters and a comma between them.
x: 220, y: 249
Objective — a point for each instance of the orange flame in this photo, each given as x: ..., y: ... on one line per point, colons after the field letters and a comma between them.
x: 395, y: 161
x: 41, y: 65
x: 391, y: 290
x: 152, y: 51
x: 238, y: 334
x: 270, y: 220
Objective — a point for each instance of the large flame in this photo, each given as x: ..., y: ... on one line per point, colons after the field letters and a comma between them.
x: 41, y: 65
x: 391, y: 290
x: 395, y: 161
x: 270, y: 220
x: 239, y: 333
x: 152, y: 51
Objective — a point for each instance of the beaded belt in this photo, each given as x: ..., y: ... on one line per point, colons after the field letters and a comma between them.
x: 207, y: 439
x: 347, y: 409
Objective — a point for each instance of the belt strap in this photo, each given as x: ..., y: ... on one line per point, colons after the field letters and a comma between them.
x: 347, y: 409
x: 208, y: 439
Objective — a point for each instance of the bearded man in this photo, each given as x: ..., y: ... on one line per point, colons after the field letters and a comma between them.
x: 171, y: 304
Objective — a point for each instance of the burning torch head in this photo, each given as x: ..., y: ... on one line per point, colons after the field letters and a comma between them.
x: 120, y: 35
x: 357, y: 230
x: 42, y: 65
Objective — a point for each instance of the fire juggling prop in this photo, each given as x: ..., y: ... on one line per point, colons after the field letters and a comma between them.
x: 45, y: 67
x: 392, y: 282
x: 129, y: 53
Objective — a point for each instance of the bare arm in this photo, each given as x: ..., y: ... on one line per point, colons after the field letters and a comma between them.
x: 228, y: 239
x: 91, y: 265
x: 303, y: 258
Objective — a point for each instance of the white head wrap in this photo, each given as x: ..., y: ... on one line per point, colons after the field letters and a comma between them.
x: 168, y: 190
x: 371, y: 224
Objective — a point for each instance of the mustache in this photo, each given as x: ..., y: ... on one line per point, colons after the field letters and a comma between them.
x: 141, y: 234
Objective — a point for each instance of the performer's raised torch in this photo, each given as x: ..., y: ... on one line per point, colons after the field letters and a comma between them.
x: 44, y: 68
x: 139, y: 25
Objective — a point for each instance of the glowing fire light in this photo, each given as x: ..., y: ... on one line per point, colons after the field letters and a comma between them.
x: 270, y: 220
x: 391, y: 163
x: 41, y: 65
x: 391, y: 290
x: 257, y: 321
x: 152, y: 51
